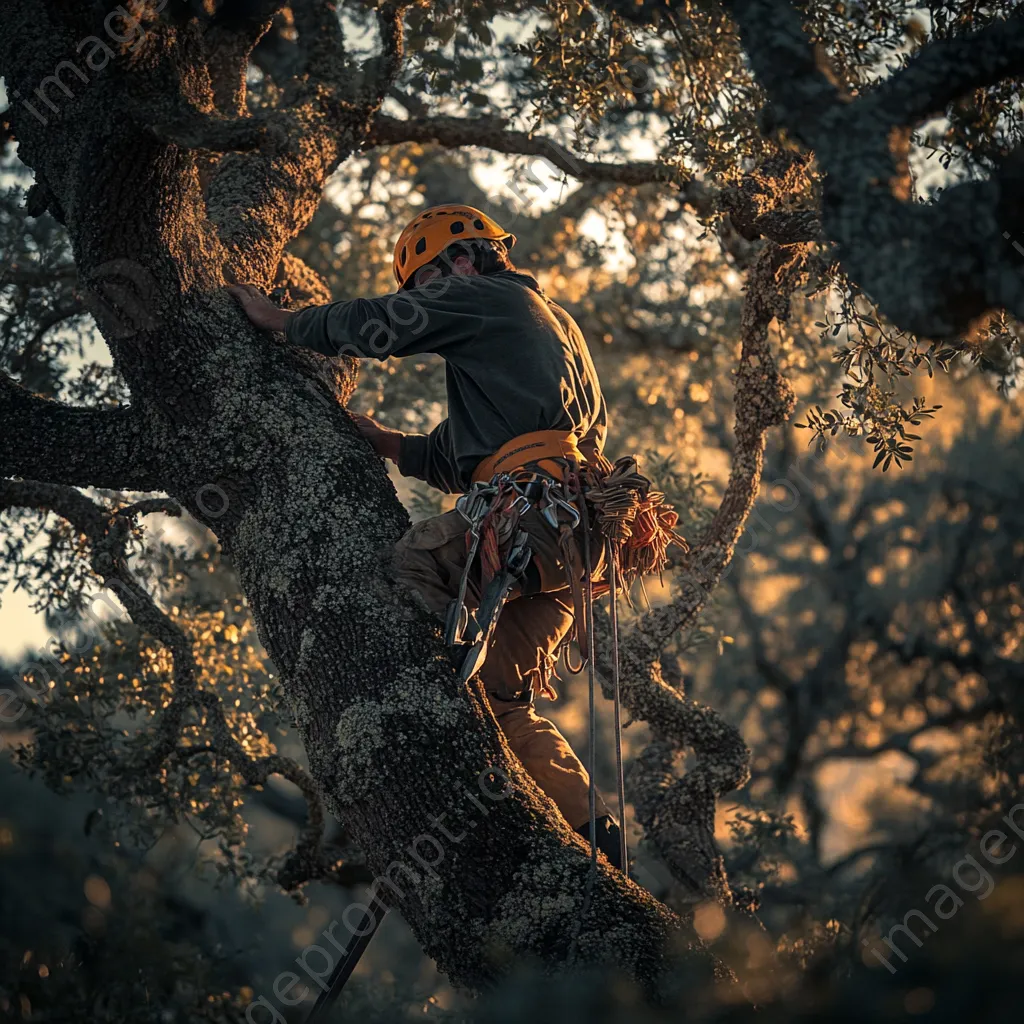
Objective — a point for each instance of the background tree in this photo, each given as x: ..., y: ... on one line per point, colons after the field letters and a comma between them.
x: 236, y: 114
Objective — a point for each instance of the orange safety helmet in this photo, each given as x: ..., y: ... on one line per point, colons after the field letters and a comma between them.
x: 432, y: 231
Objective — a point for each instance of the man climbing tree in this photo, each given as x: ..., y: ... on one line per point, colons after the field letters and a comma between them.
x: 526, y: 423
x: 520, y: 374
x: 253, y: 439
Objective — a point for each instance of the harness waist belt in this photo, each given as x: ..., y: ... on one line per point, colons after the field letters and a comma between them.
x: 538, y: 446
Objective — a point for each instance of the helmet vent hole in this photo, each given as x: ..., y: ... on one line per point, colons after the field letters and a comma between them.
x: 404, y: 256
x: 421, y: 246
x: 457, y: 227
x: 478, y: 224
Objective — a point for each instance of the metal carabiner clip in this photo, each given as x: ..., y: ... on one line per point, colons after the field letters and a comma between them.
x: 521, y: 505
x: 473, y: 505
x: 574, y: 512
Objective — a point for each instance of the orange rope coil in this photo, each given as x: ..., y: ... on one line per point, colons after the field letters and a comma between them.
x: 637, y: 520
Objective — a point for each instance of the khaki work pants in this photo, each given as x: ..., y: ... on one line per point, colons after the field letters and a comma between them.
x: 430, y: 559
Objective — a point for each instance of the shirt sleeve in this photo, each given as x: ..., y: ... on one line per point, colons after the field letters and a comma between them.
x: 431, y: 318
x: 429, y: 457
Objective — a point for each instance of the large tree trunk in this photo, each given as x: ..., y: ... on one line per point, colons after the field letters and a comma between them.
x: 253, y: 440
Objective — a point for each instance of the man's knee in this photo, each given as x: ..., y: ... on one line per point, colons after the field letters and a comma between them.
x: 522, y: 659
x: 416, y: 570
x: 524, y: 728
x: 510, y: 711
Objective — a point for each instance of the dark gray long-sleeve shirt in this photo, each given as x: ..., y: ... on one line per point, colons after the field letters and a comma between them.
x: 516, y: 362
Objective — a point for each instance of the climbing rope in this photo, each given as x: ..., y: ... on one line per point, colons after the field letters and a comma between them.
x: 588, y: 628
x: 613, y: 580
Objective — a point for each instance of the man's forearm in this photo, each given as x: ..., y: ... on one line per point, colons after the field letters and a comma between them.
x: 353, y: 327
x: 306, y: 329
x: 422, y: 459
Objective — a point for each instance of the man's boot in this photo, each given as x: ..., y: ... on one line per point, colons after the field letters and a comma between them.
x: 607, y: 838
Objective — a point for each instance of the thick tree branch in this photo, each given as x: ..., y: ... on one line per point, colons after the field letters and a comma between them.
x: 300, y: 285
x: 903, y: 741
x: 321, y: 41
x: 770, y: 202
x: 383, y: 70
x: 946, y: 69
x: 190, y: 128
x: 32, y: 275
x: 260, y: 201
x: 277, y: 54
x: 493, y: 133
x: 932, y: 269
x: 83, y: 447
x: 775, y: 201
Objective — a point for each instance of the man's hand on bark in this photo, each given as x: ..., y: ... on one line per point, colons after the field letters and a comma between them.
x: 259, y: 309
x: 383, y: 440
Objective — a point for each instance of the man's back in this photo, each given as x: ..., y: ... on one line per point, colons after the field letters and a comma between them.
x: 516, y: 363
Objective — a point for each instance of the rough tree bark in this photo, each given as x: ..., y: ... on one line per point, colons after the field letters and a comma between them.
x: 253, y: 440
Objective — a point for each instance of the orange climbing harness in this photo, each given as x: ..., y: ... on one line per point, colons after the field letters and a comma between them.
x: 548, y: 450
x: 586, y: 501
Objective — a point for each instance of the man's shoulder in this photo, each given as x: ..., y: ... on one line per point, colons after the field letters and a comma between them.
x: 505, y: 280
x: 462, y: 286
x: 504, y: 291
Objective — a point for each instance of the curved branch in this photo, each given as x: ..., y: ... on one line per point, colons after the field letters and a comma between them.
x: 106, y: 448
x: 190, y: 128
x: 107, y: 532
x: 35, y: 275
x: 948, y: 68
x: 776, y: 201
x: 902, y: 741
x: 678, y: 814
x: 321, y: 41
x: 259, y: 201
x: 230, y: 33
x: 931, y: 268
x: 493, y: 133
x: 384, y: 69
x: 763, y: 400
